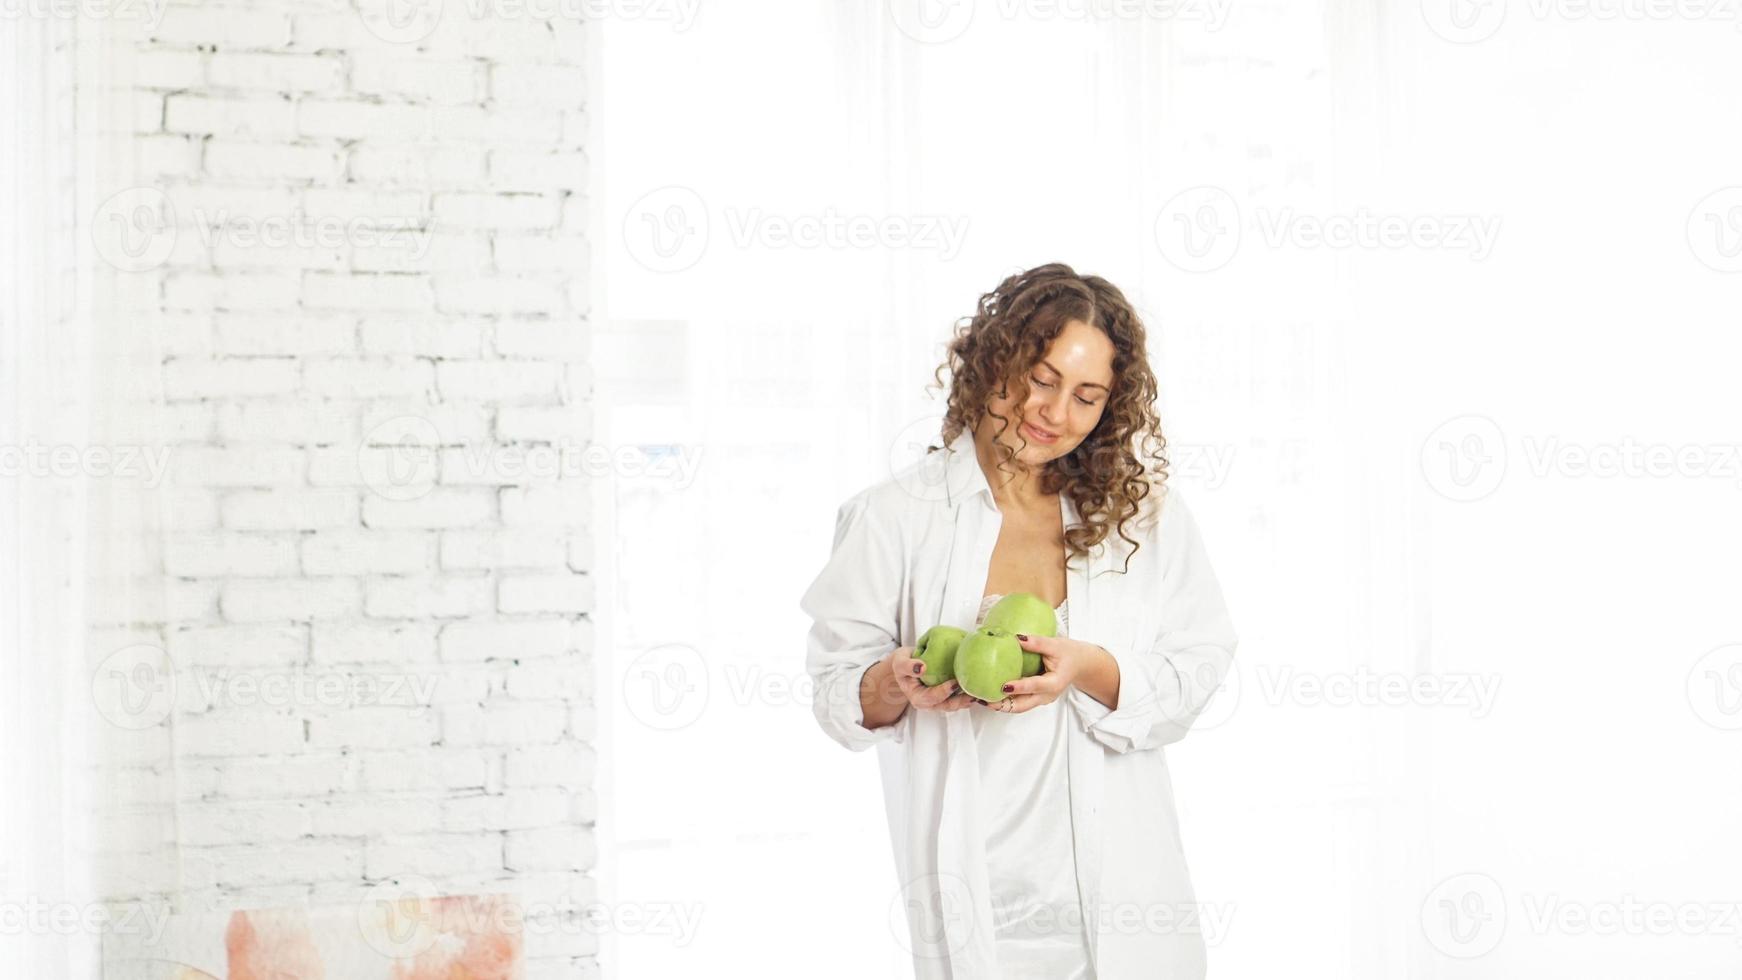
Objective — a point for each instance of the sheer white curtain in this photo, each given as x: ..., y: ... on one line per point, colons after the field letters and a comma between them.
x: 1022, y: 140
x: 1333, y: 818
x: 86, y: 809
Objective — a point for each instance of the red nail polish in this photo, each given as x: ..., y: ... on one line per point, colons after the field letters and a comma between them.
x: 1023, y: 637
x: 1009, y: 688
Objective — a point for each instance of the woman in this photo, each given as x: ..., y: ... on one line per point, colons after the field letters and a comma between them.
x: 1035, y: 835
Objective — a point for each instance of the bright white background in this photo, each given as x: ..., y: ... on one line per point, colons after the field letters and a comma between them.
x: 1411, y: 461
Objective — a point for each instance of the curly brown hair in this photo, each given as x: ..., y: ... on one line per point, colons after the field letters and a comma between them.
x: 1106, y: 475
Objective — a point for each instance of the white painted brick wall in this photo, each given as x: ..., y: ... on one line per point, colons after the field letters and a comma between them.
x: 303, y: 376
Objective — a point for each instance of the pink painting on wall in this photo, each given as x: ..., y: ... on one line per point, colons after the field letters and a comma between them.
x: 467, y: 937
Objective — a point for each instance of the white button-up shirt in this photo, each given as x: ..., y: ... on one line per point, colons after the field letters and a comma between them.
x: 914, y: 551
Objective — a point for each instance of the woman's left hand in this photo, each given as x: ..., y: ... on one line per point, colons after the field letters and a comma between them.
x: 1061, y: 661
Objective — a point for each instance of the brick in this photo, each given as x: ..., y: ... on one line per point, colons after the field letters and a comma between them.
x: 519, y: 809
x: 418, y: 165
x: 385, y: 422
x: 300, y: 73
x: 500, y: 125
x: 204, y: 824
x: 372, y: 378
x: 496, y: 548
x: 425, y: 337
x: 213, y: 555
x: 195, y: 291
x: 565, y: 764
x: 237, y: 731
x: 398, y: 643
x: 504, y: 639
x: 440, y: 508
x: 197, y: 466
x: 432, y: 855
x: 293, y: 600
x: 168, y: 69
x: 426, y: 769
x: 305, y: 775
x: 545, y: 593
x: 363, y: 552
x: 362, y: 120
x: 498, y: 381
x: 530, y: 169
x: 422, y: 250
x: 503, y: 723
x: 562, y: 677
x: 167, y: 156
x: 562, y: 339
x: 569, y: 425
x: 373, y: 727
x: 550, y: 86
x: 500, y: 296
x: 337, y: 291
x: 539, y: 253
x: 495, y: 211
x: 425, y: 598
x: 208, y: 115
x: 251, y: 335
x: 238, y: 646
x: 230, y: 28
x: 284, y: 161
x: 304, y: 422
x: 444, y: 82
x: 255, y: 864
x: 218, y: 378
x: 550, y: 849
x: 545, y: 506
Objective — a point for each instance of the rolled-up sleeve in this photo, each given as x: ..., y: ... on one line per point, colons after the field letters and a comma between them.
x: 853, y: 605
x: 1165, y: 685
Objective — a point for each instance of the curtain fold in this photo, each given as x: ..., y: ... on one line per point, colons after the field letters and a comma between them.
x: 86, y: 755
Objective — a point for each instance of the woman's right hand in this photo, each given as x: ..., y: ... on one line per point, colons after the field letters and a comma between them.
x: 947, y: 696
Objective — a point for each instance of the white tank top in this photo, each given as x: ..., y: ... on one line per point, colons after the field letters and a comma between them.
x: 1025, y: 793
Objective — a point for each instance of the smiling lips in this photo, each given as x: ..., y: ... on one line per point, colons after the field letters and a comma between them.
x: 1038, y: 435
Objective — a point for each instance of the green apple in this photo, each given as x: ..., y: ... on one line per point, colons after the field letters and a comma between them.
x: 1022, y: 612
x: 987, y: 660
x: 1025, y: 613
x: 937, y: 650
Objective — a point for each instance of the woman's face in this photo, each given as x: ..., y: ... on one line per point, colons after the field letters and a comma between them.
x: 1067, y: 392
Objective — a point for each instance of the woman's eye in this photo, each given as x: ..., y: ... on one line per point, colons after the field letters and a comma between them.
x: 1084, y: 400
x: 1037, y: 381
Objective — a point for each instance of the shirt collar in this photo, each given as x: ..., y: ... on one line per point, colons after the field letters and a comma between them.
x: 964, y: 479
